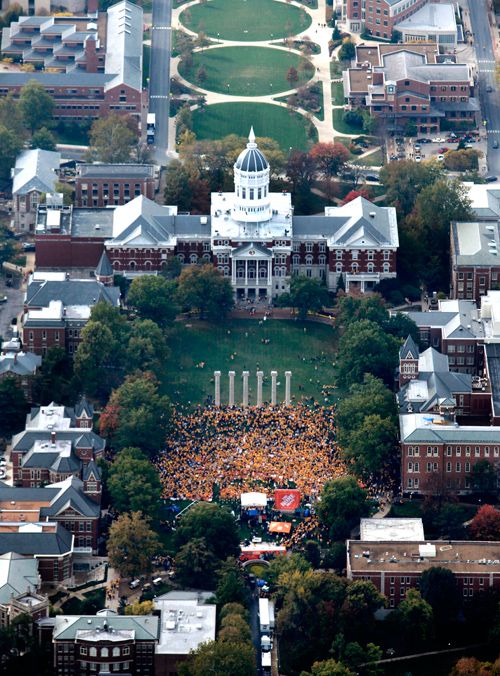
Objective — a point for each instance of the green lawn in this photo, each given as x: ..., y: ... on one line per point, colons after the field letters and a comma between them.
x: 335, y: 69
x: 338, y: 94
x: 221, y: 119
x: 246, y: 71
x: 341, y: 126
x: 305, y: 348
x: 245, y: 20
x: 375, y: 159
x: 146, y: 61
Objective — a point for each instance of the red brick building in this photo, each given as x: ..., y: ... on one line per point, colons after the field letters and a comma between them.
x: 48, y: 323
x: 396, y: 566
x: 102, y: 185
x: 411, y: 83
x: 378, y: 17
x: 251, y: 236
x: 438, y: 455
x: 86, y: 88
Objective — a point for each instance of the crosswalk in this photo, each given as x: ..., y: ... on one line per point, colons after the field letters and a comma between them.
x: 493, y: 131
x: 486, y: 61
x: 162, y: 28
x: 158, y: 96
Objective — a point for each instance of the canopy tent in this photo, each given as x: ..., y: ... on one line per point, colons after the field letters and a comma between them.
x: 249, y: 500
x: 280, y: 527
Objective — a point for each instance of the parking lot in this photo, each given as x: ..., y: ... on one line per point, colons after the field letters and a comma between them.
x: 435, y: 147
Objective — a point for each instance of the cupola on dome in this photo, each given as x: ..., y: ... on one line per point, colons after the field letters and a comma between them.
x: 251, y: 159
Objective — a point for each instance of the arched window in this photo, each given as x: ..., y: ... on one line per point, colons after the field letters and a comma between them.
x: 240, y: 273
x: 338, y: 267
x: 147, y: 265
x: 262, y: 272
x: 116, y: 652
x: 93, y: 652
x: 116, y: 265
x: 322, y: 259
x: 104, y: 652
x: 206, y: 257
x: 309, y: 260
x: 355, y: 267
x: 193, y: 258
x: 132, y: 265
x: 387, y: 267
x: 180, y: 257
x: 226, y: 271
x: 296, y: 260
x: 370, y: 267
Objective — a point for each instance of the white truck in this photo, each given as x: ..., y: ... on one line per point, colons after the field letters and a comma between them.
x: 266, y: 661
x: 150, y: 128
x: 264, y: 616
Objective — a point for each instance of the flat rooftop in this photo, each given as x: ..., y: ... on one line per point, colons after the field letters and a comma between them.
x: 374, y: 530
x: 184, y: 624
x: 459, y: 557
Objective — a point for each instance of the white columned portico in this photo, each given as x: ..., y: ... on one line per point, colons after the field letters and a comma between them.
x: 231, y: 387
x: 274, y: 376
x: 217, y: 387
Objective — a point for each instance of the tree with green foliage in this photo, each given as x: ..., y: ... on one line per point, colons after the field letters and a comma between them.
x: 231, y: 587
x: 328, y: 668
x: 236, y: 622
x: 214, y: 523
x: 53, y: 380
x: 312, y: 552
x: 9, y: 247
x: 343, y: 503
x: 10, y: 147
x: 438, y: 587
x: 403, y: 181
x: 137, y: 414
x: 140, y: 608
x: 220, y: 658
x: 366, y: 348
x: 43, y: 139
x: 370, y: 397
x: 484, y: 478
x: 347, y: 51
x: 355, y: 655
x: 184, y: 120
x: 300, y: 171
x: 352, y: 309
x: 177, y: 188
x: 196, y: 564
x: 415, y: 620
x: 401, y: 326
x: 203, y: 288
x: 172, y: 269
x: 154, y: 298
x: 36, y: 105
x: 462, y: 160
x: 281, y: 568
x: 234, y: 609
x: 372, y: 446
x: 362, y: 600
x: 307, y: 295
x: 112, y: 139
x: 13, y: 406
x: 134, y: 484
x: 132, y: 544
x: 147, y: 348
x: 98, y: 361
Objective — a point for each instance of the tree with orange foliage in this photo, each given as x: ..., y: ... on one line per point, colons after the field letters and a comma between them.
x: 329, y: 158
x: 353, y: 194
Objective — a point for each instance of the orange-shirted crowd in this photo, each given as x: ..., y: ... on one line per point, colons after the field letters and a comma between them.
x: 235, y: 450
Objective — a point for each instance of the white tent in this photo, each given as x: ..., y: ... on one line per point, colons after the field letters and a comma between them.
x: 253, y: 500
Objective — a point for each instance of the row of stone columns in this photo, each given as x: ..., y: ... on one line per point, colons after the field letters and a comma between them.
x: 260, y: 378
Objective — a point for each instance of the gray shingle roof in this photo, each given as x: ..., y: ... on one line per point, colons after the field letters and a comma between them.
x: 71, y: 292
x: 28, y: 542
x: 35, y: 170
x: 73, y: 79
x: 20, y: 363
x: 409, y: 349
x: 17, y: 573
x: 124, y: 45
x: 145, y: 627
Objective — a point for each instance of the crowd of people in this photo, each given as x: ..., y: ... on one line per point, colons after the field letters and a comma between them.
x: 230, y: 451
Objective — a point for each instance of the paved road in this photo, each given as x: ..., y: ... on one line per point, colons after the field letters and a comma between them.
x: 159, y: 75
x: 490, y: 102
x: 10, y: 309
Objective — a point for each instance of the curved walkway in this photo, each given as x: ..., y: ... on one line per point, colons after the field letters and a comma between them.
x: 316, y: 32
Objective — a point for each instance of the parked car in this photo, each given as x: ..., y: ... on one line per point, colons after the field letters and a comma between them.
x: 490, y: 179
x: 29, y: 246
x: 489, y: 89
x: 3, y: 299
x: 443, y: 150
x: 372, y: 177
x: 440, y: 158
x: 438, y: 139
x: 418, y: 158
x: 495, y: 144
x: 134, y: 584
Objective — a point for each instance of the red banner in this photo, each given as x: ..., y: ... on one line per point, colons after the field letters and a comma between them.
x: 286, y: 499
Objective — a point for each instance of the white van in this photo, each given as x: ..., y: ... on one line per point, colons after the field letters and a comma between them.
x: 157, y: 581
x: 134, y: 584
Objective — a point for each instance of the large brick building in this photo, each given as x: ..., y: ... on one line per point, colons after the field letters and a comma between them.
x: 251, y: 235
x: 58, y: 443
x: 48, y: 322
x: 36, y: 173
x: 102, y: 185
x: 438, y: 455
x: 382, y: 17
x: 90, y: 85
x: 411, y: 83
x: 395, y: 566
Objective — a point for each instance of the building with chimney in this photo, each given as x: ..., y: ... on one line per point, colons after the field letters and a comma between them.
x: 20, y: 365
x: 99, y: 65
x: 56, y: 308
x: 58, y: 443
x: 251, y: 236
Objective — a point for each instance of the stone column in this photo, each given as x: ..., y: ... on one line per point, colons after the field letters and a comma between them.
x: 274, y: 375
x: 231, y: 388
x: 245, y: 375
x: 260, y: 375
x: 217, y: 387
x: 288, y: 378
